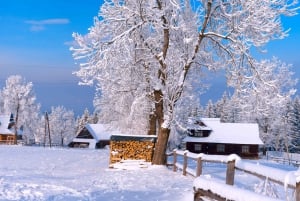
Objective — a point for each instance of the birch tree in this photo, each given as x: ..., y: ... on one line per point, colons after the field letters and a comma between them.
x: 143, y: 51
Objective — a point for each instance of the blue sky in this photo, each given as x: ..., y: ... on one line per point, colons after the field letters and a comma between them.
x: 34, y: 42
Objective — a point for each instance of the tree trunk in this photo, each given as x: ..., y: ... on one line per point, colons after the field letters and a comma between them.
x: 159, y: 156
x: 152, y: 124
x: 16, y: 123
x: 156, y: 119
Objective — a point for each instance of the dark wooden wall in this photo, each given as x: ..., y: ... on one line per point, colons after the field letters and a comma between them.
x: 211, y: 148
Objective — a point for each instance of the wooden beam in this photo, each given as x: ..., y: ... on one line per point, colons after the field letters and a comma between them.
x: 230, y: 172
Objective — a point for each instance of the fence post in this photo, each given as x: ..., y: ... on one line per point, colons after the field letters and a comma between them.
x: 184, y: 163
x: 199, y: 167
x: 297, y: 190
x: 174, y: 160
x: 230, y: 172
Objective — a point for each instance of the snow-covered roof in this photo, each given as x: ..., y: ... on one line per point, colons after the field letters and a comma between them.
x: 229, y: 133
x: 4, y: 122
x: 99, y: 131
x: 195, y: 124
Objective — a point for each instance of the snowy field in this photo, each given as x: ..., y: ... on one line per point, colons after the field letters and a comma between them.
x: 38, y: 173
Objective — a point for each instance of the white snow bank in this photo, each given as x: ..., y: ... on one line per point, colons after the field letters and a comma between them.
x: 227, y: 191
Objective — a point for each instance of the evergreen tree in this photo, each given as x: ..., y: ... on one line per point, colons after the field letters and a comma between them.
x: 210, y: 110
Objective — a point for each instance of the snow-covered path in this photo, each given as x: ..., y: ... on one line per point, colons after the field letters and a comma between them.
x: 37, y: 173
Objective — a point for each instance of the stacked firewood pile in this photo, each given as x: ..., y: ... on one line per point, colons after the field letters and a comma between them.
x: 124, y: 147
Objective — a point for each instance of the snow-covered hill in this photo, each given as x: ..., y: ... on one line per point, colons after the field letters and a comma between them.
x: 38, y: 173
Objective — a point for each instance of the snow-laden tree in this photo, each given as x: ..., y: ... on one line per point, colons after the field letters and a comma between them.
x: 296, y: 124
x: 188, y: 107
x: 82, y: 120
x: 267, y: 105
x: 19, y: 99
x: 288, y: 127
x: 86, y: 118
x: 141, y: 52
x: 62, y: 125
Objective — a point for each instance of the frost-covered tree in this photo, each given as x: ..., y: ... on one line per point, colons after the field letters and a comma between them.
x: 296, y: 124
x: 62, y: 125
x: 86, y: 118
x: 18, y: 98
x: 39, y: 134
x: 210, y: 110
x: 288, y: 127
x: 265, y: 102
x: 187, y: 108
x: 140, y: 53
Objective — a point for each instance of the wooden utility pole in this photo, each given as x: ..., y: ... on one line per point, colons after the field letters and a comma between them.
x: 47, y: 129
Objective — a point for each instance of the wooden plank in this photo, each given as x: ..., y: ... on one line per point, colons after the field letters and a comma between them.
x: 174, y: 160
x: 230, y: 172
x: 199, y: 167
x: 185, y: 159
x: 297, y: 192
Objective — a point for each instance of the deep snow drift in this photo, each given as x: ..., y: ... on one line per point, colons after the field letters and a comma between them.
x: 38, y: 173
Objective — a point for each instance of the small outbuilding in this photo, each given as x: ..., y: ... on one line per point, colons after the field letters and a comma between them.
x: 211, y: 136
x: 7, y: 135
x: 92, y: 136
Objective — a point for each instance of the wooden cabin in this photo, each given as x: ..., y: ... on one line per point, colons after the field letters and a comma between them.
x: 7, y: 135
x: 211, y: 136
x: 92, y: 136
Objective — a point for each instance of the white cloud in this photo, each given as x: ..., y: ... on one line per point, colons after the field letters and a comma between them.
x: 40, y: 25
x: 70, y: 43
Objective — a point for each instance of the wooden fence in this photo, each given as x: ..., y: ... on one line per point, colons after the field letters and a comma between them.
x: 284, y: 178
x: 284, y: 157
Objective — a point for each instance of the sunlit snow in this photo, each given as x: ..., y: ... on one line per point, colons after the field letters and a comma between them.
x: 38, y: 173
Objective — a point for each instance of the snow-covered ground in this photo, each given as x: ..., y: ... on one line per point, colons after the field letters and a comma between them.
x: 38, y: 173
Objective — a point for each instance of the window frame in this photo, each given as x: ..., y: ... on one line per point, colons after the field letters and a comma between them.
x: 245, y: 149
x: 220, y: 148
x: 198, y: 147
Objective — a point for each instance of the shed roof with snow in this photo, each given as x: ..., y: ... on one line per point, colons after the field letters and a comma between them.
x: 99, y: 131
x: 93, y: 136
x: 227, y: 133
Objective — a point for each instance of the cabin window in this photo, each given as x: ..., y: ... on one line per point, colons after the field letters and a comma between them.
x: 245, y: 149
x: 220, y: 148
x: 198, y: 147
x: 198, y: 133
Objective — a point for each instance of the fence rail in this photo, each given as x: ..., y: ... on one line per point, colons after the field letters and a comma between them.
x: 284, y: 157
x: 285, y: 178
